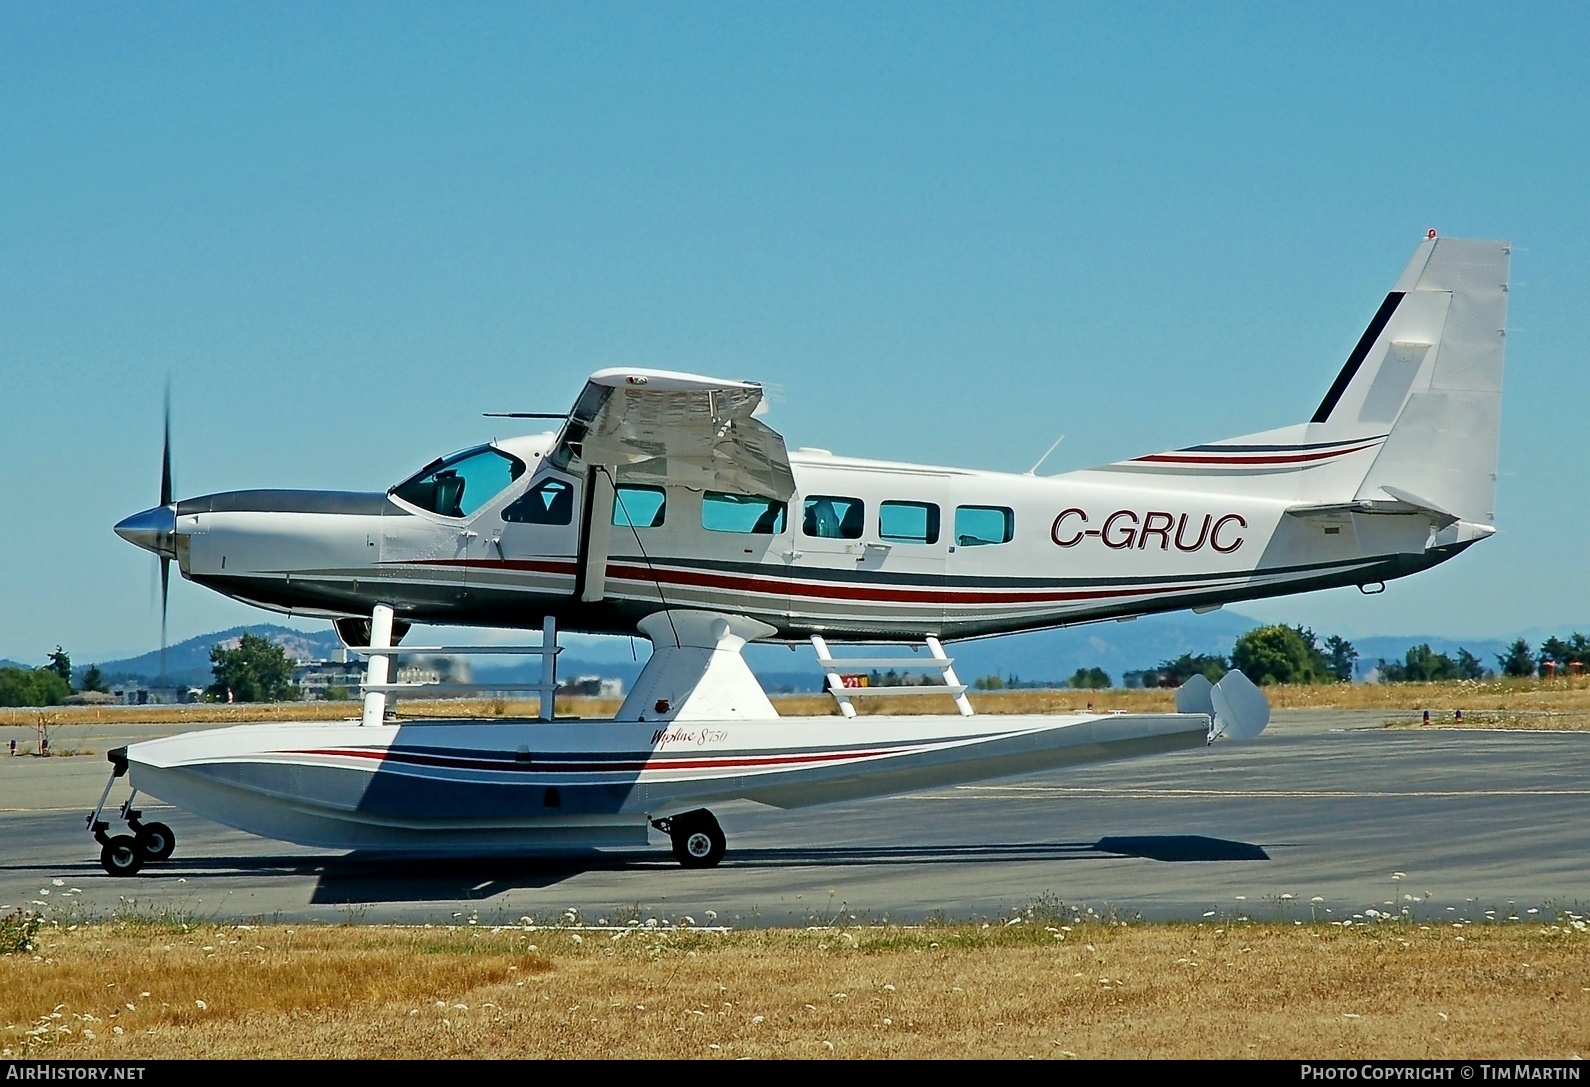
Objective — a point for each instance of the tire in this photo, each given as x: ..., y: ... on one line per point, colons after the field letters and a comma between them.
x: 121, y: 856
x: 156, y: 841
x: 697, y: 839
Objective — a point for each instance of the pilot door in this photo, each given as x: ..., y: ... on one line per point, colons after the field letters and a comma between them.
x: 535, y: 546
x: 422, y: 559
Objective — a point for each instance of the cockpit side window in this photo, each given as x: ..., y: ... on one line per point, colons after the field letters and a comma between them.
x: 458, y: 485
x: 550, y: 502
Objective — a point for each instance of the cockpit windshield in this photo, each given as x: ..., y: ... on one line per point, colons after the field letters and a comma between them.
x: 458, y: 485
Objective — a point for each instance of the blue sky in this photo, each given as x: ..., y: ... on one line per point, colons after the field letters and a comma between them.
x: 950, y: 233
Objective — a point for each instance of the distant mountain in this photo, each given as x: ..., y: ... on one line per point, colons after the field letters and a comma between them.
x: 188, y: 662
x: 1046, y: 656
x: 1372, y: 650
x: 1055, y: 655
x: 13, y: 664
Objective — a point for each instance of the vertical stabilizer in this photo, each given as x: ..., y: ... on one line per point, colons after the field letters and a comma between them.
x: 1428, y: 374
x: 1411, y: 419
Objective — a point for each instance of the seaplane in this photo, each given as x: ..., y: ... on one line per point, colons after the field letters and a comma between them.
x: 663, y: 505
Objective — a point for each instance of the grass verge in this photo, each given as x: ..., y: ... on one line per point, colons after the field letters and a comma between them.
x: 1038, y: 988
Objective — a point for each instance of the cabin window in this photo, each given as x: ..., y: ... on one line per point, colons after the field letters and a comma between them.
x: 742, y: 513
x: 830, y: 518
x: 909, y: 522
x: 639, y: 507
x: 458, y: 485
x: 550, y: 502
x: 979, y: 525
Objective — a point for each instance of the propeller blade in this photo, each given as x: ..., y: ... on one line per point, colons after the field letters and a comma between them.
x: 165, y: 456
x: 165, y: 589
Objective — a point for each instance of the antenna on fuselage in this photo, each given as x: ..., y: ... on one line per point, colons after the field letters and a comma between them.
x: 525, y: 414
x: 1034, y: 469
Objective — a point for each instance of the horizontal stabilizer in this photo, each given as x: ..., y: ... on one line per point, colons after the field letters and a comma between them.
x: 1400, y: 503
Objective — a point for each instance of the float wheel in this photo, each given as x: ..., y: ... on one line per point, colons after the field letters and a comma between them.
x: 697, y: 839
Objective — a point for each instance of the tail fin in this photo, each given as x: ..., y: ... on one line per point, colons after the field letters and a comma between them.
x: 1427, y: 373
x: 1413, y: 418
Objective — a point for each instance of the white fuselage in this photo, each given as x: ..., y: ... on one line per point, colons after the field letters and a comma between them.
x: 1155, y: 534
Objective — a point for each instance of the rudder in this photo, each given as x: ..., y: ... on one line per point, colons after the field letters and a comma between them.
x: 1434, y: 373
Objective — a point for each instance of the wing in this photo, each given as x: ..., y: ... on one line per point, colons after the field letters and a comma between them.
x: 661, y: 427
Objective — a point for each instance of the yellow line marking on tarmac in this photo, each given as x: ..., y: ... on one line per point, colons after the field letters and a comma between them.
x: 1034, y: 792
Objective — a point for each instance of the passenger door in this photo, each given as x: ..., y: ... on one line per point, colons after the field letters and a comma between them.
x: 859, y: 568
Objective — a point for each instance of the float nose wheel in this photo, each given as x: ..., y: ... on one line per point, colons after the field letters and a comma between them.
x: 121, y: 855
x: 125, y: 854
x: 697, y: 838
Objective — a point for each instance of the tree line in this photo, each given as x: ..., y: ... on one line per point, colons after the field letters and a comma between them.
x: 49, y: 685
x: 255, y: 670
x: 1295, y: 654
x: 1266, y: 655
x: 1557, y: 656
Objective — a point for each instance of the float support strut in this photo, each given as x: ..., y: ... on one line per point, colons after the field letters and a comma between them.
x: 549, y: 666
x: 376, y: 673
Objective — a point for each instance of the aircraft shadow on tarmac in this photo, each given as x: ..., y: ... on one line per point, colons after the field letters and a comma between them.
x: 354, y: 879
x: 370, y: 878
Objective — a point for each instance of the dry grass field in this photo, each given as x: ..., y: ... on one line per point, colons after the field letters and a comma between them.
x: 1497, y: 703
x: 1039, y: 988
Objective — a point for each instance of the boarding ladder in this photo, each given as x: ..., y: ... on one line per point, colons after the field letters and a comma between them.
x: 835, y: 669
x: 380, y: 651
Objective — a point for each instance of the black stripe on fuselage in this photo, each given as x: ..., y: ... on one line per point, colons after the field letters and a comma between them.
x: 516, y: 607
x: 372, y: 504
x: 1356, y: 359
x: 888, y: 579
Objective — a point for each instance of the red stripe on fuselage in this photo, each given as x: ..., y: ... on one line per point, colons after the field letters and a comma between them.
x: 877, y: 594
x: 1267, y: 458
x: 614, y: 765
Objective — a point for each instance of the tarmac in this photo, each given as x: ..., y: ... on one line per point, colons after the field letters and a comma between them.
x: 1327, y: 815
